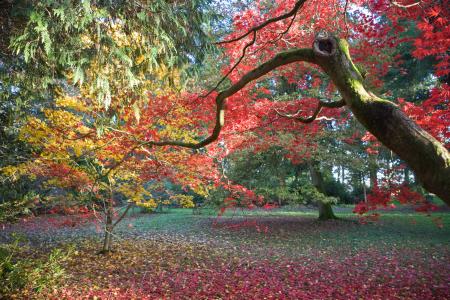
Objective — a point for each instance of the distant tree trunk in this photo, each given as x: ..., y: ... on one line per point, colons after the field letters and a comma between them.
x: 373, y: 171
x: 326, y: 212
x: 407, y: 181
x: 107, y: 242
x: 325, y: 209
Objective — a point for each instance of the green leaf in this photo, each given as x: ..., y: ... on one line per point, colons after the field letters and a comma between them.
x: 78, y: 75
x: 142, y: 16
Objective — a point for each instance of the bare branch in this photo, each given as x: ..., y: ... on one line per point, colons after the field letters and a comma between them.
x: 290, y: 13
x: 320, y: 105
x: 244, y: 50
x: 285, y: 115
x: 280, y: 35
x: 123, y: 214
x: 395, y: 3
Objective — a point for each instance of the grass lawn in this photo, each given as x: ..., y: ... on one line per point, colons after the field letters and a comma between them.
x: 280, y: 254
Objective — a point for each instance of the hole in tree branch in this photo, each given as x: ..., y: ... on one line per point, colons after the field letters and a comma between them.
x: 325, y: 46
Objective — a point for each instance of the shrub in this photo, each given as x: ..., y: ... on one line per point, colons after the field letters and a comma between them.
x: 19, y: 274
x: 12, y: 209
x: 185, y: 201
x: 309, y: 194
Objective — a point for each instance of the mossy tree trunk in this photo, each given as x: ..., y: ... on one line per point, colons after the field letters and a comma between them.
x: 429, y: 159
x: 326, y: 212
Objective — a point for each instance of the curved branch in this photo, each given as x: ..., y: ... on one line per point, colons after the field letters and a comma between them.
x: 281, y: 59
x: 333, y: 104
x: 290, y: 13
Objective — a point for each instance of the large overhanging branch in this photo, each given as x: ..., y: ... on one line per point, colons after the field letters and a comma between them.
x: 278, y: 60
x: 423, y: 153
x: 320, y: 105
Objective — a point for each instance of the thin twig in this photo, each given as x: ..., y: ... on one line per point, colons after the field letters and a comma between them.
x: 292, y: 12
x: 244, y: 50
x: 345, y: 19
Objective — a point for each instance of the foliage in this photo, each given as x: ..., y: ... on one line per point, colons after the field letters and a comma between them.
x: 185, y: 201
x: 338, y: 190
x: 114, y: 58
x: 85, y: 42
x: 11, y: 210
x: 310, y: 194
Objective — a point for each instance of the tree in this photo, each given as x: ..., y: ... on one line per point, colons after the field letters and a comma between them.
x: 69, y: 158
x: 385, y: 120
x: 110, y: 52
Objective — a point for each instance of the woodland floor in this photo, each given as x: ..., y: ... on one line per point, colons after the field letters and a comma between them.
x: 283, y: 254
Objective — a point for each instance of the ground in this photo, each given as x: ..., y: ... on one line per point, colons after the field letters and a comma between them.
x: 281, y: 254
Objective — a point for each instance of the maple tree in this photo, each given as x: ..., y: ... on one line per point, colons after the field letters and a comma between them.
x: 117, y: 130
x: 248, y: 108
x: 382, y: 118
x: 70, y: 156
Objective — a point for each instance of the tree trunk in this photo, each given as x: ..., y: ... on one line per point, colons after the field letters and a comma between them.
x: 109, y: 214
x: 373, y: 171
x: 326, y: 212
x: 429, y: 159
x: 325, y: 209
x: 107, y: 242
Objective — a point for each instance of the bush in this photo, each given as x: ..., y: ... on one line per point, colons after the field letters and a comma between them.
x: 185, y: 201
x: 12, y: 209
x: 18, y: 274
x: 309, y: 194
x: 337, y: 189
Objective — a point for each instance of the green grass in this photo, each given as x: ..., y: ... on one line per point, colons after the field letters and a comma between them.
x: 296, y: 231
